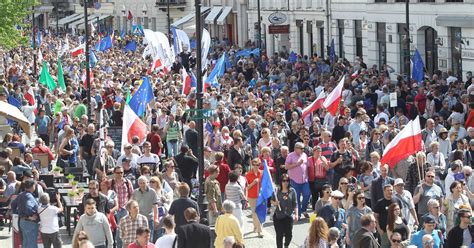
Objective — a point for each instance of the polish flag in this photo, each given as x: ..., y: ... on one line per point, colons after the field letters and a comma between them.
x: 30, y: 96
x: 334, y: 98
x: 407, y: 142
x: 132, y: 126
x: 155, y: 65
x: 314, y: 105
x: 355, y: 74
x: 130, y: 16
x: 84, y: 78
x: 186, y: 79
x: 78, y: 50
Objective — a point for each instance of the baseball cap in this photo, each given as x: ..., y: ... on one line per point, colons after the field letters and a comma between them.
x: 337, y: 193
x: 429, y: 219
x: 398, y: 181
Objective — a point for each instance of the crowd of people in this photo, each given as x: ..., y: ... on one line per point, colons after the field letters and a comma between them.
x: 326, y: 169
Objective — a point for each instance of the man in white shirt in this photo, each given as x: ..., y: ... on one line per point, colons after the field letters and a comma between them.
x: 49, y: 227
x: 169, y: 238
x: 380, y: 114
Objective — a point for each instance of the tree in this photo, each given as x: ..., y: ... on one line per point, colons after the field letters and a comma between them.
x: 12, y: 15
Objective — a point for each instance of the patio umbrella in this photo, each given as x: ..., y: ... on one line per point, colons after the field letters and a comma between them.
x: 13, y: 113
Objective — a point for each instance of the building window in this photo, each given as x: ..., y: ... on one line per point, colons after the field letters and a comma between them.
x: 299, y: 25
x: 427, y: 1
x: 340, y: 27
x: 431, y: 50
x: 401, y: 1
x: 309, y: 30
x: 456, y: 50
x: 380, y: 1
x: 382, y: 43
x: 454, y: 1
x: 404, y: 48
x: 358, y: 38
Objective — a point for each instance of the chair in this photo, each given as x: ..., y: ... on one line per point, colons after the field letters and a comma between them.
x: 15, y: 153
x: 47, y: 179
x: 43, y: 158
x: 78, y: 172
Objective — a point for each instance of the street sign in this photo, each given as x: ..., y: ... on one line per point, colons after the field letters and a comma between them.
x: 277, y: 18
x: 279, y: 29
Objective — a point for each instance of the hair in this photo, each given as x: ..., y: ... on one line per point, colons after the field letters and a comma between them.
x: 354, y: 197
x: 219, y: 156
x: 141, y: 230
x: 366, y: 219
x: 334, y: 234
x: 168, y: 222
x: 117, y: 167
x: 365, y: 166
x: 29, y: 183
x: 212, y: 169
x: 183, y: 189
x: 317, y: 231
x: 156, y: 179
x: 284, y: 176
x: 454, y: 185
x: 76, y: 242
x: 93, y: 182
x: 233, y: 176
x: 44, y: 199
x: 228, y: 206
x: 190, y: 214
x: 90, y: 201
x: 391, y: 216
x: 128, y: 206
x: 432, y: 202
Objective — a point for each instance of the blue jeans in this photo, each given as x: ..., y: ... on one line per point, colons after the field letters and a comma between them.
x: 301, y: 189
x: 119, y: 215
x: 151, y: 225
x: 172, y: 148
x: 29, y: 233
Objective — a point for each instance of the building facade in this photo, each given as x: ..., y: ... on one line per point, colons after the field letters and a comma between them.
x: 441, y: 30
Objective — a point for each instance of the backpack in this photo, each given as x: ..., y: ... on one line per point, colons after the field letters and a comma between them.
x: 128, y: 184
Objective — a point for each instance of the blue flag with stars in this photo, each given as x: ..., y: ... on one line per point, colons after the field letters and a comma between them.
x: 332, y: 52
x: 418, y: 67
x: 292, y: 58
x: 142, y: 97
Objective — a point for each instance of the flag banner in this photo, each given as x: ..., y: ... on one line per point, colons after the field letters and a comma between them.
x: 265, y: 192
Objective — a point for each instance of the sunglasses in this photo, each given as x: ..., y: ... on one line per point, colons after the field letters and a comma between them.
x: 430, y: 176
x: 396, y: 241
x: 337, y: 198
x: 285, y: 181
x: 361, y: 198
x: 344, y: 183
x: 119, y: 172
x: 467, y: 216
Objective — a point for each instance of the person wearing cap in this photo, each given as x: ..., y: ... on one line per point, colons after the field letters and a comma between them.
x: 408, y: 206
x: 297, y: 163
x: 445, y: 146
x: 333, y: 214
x: 457, y: 129
x: 428, y: 228
x: 133, y: 157
x: 463, y: 233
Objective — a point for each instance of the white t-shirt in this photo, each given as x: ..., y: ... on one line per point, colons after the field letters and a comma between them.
x: 49, y: 219
x: 166, y: 241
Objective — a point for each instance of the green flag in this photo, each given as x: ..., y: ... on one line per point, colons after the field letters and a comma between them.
x: 61, y: 83
x: 46, y: 79
x: 127, y: 100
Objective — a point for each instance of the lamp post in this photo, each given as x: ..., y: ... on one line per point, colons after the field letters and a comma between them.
x: 168, y: 17
x: 199, y: 122
x: 259, y: 28
x: 88, y: 77
x: 407, y: 40
x: 123, y: 13
x: 57, y: 18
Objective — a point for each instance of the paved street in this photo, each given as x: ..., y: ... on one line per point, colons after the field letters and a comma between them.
x: 300, y: 230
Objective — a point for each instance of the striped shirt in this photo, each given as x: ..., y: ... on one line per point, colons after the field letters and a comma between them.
x: 327, y: 149
x: 234, y: 192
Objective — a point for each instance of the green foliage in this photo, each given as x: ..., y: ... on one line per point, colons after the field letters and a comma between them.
x: 13, y: 13
x: 70, y: 177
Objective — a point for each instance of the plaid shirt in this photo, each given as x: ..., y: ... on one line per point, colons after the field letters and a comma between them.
x: 128, y: 228
x: 122, y: 193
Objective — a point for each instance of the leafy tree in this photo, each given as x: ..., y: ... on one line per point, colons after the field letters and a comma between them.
x: 13, y: 13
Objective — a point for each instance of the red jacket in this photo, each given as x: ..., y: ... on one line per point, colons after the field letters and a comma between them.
x: 223, y: 176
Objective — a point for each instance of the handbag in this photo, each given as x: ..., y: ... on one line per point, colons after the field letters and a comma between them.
x: 112, y: 221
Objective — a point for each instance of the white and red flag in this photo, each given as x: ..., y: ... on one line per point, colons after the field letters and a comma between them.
x: 186, y: 79
x: 331, y: 103
x: 315, y: 105
x: 132, y: 126
x: 78, y: 50
x: 407, y: 142
x: 30, y: 96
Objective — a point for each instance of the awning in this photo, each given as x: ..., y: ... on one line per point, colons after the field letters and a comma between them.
x: 211, y: 18
x: 188, y: 17
x: 93, y: 21
x: 44, y: 9
x: 80, y: 21
x: 223, y: 16
x: 69, y: 19
x: 455, y: 21
x: 13, y: 113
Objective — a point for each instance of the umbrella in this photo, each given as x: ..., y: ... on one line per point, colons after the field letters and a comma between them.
x: 13, y: 113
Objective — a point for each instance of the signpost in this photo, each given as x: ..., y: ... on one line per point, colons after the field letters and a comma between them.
x: 279, y: 29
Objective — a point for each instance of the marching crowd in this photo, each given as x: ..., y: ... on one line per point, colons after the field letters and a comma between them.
x: 325, y: 168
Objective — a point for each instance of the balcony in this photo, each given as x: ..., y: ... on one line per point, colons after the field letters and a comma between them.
x: 174, y: 4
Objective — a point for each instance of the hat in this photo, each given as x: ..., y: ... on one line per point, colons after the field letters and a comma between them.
x: 443, y: 130
x: 125, y: 159
x: 429, y: 219
x: 398, y: 181
x: 360, y: 103
x: 337, y: 193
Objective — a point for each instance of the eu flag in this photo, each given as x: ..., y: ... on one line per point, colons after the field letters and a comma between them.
x: 105, y: 43
x: 266, y: 191
x: 418, y: 66
x: 217, y: 71
x: 142, y: 97
x: 131, y: 46
x: 92, y: 59
x: 292, y: 58
x: 13, y: 101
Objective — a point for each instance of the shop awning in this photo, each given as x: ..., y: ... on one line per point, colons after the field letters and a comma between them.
x: 455, y: 21
x: 223, y: 16
x: 70, y: 18
x: 93, y: 21
x: 44, y: 9
x: 211, y: 18
x: 185, y: 19
x: 81, y: 21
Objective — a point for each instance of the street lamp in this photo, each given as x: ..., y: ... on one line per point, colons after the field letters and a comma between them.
x: 199, y: 121
x: 33, y: 33
x: 169, y: 19
x: 259, y: 27
x: 88, y: 77
x: 407, y: 40
x: 144, y: 10
x: 124, y: 10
